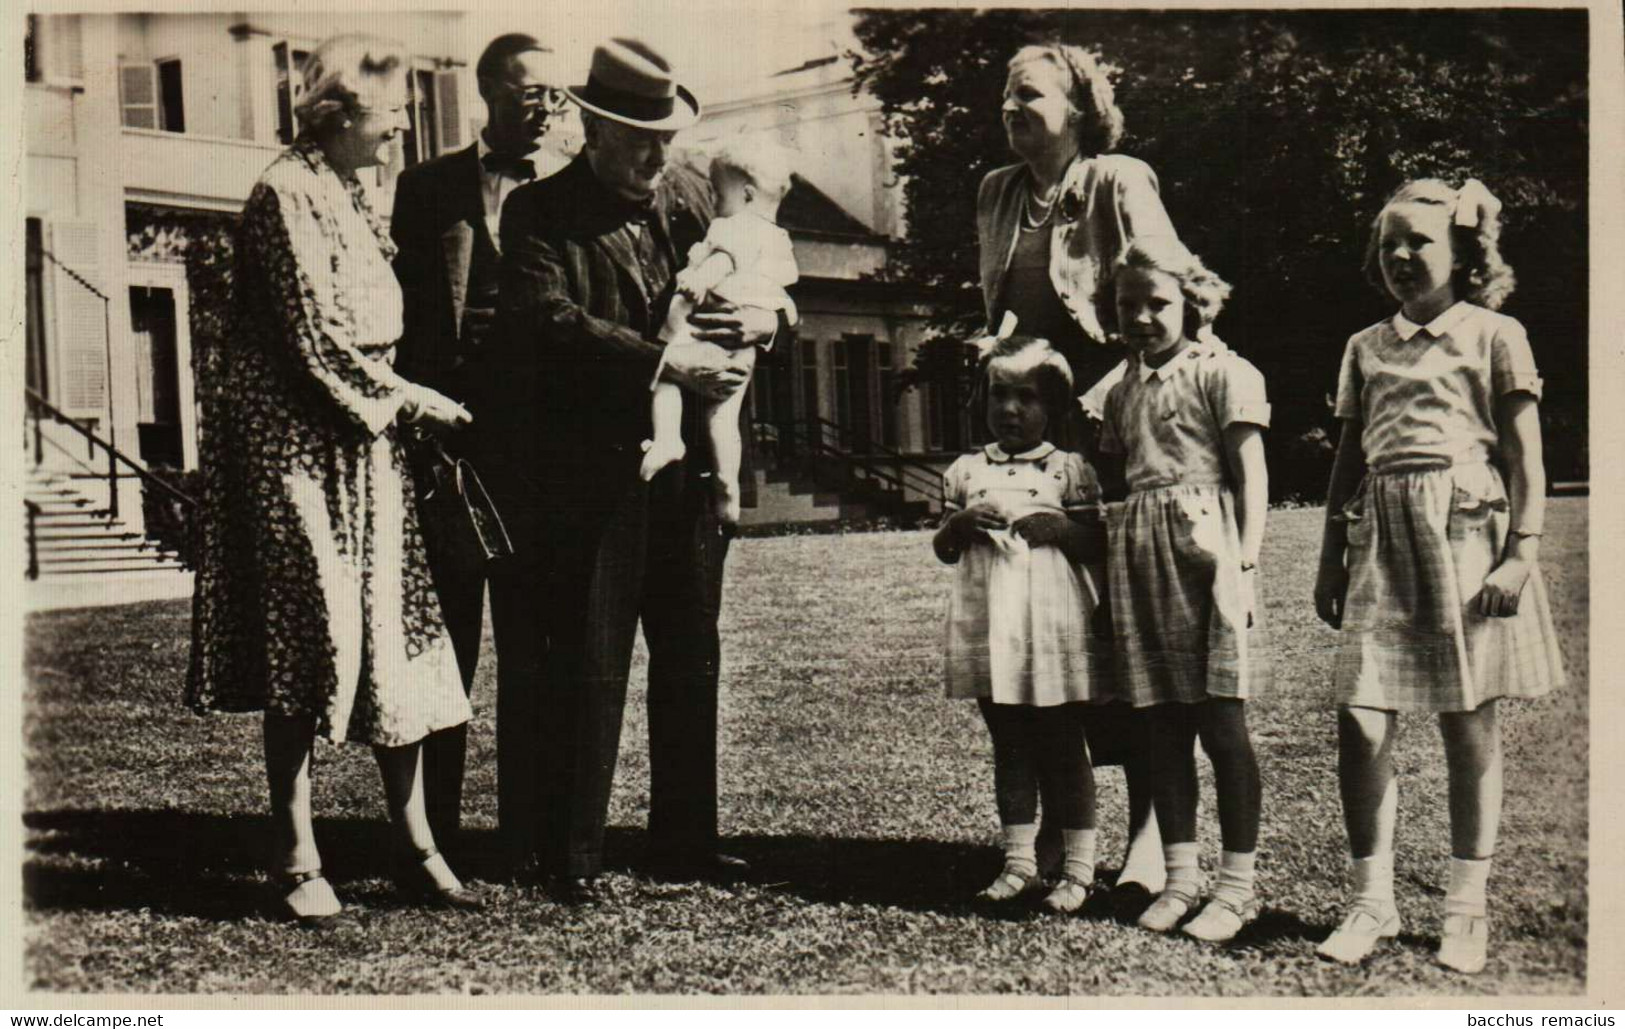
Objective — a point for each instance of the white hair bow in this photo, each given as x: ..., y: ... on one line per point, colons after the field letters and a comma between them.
x: 1007, y: 328
x: 1474, y: 203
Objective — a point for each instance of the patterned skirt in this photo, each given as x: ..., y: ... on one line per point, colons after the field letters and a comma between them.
x: 313, y: 595
x: 1420, y: 544
x: 1020, y: 626
x: 1186, y: 621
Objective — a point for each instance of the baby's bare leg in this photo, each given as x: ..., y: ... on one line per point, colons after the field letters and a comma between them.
x: 666, y: 406
x: 666, y: 447
x: 722, y: 425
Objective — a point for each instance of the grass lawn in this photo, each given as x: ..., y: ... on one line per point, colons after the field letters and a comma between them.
x: 863, y: 797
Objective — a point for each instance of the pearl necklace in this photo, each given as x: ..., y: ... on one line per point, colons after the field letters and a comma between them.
x: 1032, y: 222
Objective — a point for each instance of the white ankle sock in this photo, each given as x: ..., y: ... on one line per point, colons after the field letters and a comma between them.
x: 1021, y: 848
x: 1468, y: 879
x: 1374, y: 879
x: 1079, y: 847
x: 1184, y: 872
x: 1236, y: 876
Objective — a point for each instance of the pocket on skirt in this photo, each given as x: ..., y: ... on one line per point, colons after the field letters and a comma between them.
x: 1471, y: 512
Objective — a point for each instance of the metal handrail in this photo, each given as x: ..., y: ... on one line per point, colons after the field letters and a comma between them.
x: 814, y: 433
x: 114, y: 455
x: 33, y: 511
x: 901, y: 459
x: 906, y: 473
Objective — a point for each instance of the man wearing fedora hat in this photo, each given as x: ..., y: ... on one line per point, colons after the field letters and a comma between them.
x: 589, y: 257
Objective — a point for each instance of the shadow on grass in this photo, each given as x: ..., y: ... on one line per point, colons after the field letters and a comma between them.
x: 210, y: 866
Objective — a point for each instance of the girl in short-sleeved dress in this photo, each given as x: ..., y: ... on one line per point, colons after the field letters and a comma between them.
x: 1188, y: 416
x: 1023, y: 525
x: 1429, y: 564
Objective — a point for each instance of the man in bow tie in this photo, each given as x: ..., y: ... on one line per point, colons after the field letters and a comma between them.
x: 589, y: 260
x: 445, y: 223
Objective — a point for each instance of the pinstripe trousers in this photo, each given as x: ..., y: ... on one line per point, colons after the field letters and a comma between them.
x: 565, y: 617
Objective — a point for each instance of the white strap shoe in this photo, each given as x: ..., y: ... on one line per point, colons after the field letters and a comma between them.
x: 1465, y: 943
x: 1366, y: 925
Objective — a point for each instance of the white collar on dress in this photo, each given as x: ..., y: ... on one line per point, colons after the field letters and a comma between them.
x: 996, y: 454
x: 1437, y: 327
x: 1197, y: 348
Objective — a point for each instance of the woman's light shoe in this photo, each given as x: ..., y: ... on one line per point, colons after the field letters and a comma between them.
x: 1008, y: 886
x: 1165, y: 912
x: 1365, y: 926
x: 1219, y: 920
x: 306, y: 898
x: 1464, y: 946
x: 1068, y: 896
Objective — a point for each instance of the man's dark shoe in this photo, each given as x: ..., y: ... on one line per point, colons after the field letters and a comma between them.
x: 576, y: 890
x: 715, y: 868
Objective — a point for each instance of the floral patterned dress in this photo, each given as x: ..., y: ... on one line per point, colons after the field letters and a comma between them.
x: 313, y: 592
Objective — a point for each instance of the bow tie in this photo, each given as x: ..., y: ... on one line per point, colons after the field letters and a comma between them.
x: 520, y: 169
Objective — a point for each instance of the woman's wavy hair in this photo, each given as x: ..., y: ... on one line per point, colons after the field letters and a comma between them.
x: 1101, y: 126
x: 339, y: 72
x: 1481, y: 276
x: 1022, y: 355
x: 1203, y: 291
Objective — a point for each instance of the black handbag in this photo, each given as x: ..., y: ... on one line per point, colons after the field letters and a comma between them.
x: 455, y: 509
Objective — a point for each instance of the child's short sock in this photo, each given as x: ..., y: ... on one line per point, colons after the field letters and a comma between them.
x: 1374, y: 880
x: 1184, y: 870
x: 1079, y: 845
x: 1021, y: 848
x: 1236, y: 878
x: 1466, y: 893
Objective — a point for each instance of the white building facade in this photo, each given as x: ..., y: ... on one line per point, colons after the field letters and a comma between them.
x: 142, y: 127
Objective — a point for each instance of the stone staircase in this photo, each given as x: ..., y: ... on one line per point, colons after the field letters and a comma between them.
x: 789, y: 499
x: 74, y: 538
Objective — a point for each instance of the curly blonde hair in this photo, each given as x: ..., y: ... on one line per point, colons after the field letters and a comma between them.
x: 756, y: 161
x: 1203, y: 291
x: 1481, y: 276
x: 1101, y: 126
x: 1023, y: 355
x: 340, y: 71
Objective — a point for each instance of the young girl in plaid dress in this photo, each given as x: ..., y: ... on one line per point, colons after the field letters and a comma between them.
x: 1428, y: 566
x: 1024, y: 521
x: 1189, y: 416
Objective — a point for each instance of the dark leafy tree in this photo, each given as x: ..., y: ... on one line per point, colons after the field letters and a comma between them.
x: 1276, y: 136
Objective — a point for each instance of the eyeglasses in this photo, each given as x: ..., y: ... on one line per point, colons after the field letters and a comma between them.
x: 549, y: 98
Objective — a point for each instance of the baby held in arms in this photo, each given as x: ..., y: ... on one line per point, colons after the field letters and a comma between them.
x: 745, y: 260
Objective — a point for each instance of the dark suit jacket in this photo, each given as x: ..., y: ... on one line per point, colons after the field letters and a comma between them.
x: 563, y: 398
x: 439, y: 217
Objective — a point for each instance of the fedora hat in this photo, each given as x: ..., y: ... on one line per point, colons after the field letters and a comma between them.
x: 630, y: 83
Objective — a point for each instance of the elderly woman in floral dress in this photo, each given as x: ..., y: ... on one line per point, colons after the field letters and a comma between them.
x: 314, y: 602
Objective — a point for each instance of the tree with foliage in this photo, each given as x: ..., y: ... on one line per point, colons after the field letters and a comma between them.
x: 1275, y: 136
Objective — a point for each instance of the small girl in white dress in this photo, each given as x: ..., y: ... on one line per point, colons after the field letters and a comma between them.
x: 1189, y: 417
x: 747, y: 260
x: 1429, y: 561
x: 1024, y: 522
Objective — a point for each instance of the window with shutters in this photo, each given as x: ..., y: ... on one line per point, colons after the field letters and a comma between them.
x: 79, y: 319
x: 422, y: 139
x: 171, y: 105
x: 887, y: 382
x: 31, y: 56
x: 807, y: 349
x: 38, y: 368
x: 53, y: 49
x: 451, y: 114
x: 138, y: 95
x: 290, y: 86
